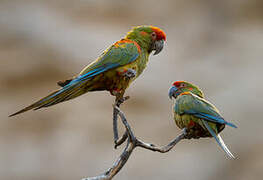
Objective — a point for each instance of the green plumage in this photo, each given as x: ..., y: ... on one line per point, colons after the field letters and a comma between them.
x: 120, y: 53
x: 200, y: 117
x: 189, y: 103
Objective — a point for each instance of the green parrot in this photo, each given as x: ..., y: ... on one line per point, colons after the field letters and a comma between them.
x: 200, y: 117
x: 112, y: 71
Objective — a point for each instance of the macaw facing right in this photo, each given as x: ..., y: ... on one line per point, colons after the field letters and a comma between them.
x: 200, y: 117
x: 114, y: 70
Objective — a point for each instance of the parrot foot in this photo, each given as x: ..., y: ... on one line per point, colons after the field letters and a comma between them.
x: 119, y: 101
x: 130, y: 73
x: 191, y: 134
x: 188, y: 133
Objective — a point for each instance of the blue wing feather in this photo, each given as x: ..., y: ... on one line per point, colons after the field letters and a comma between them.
x: 209, y: 117
x: 117, y: 56
x: 199, y: 107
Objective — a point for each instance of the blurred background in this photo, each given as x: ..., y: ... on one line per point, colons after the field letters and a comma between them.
x: 217, y: 45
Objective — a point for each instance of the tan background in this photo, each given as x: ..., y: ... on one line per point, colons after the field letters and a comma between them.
x: 215, y: 44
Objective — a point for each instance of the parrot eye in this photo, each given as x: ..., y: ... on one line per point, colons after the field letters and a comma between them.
x: 183, y: 85
x: 153, y: 35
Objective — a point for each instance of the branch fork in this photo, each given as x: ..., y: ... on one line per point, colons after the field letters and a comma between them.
x: 131, y: 143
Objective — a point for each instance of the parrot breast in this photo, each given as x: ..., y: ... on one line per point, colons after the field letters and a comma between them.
x: 114, y: 80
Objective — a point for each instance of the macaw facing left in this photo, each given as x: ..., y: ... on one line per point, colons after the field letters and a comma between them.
x: 200, y: 117
x: 113, y: 71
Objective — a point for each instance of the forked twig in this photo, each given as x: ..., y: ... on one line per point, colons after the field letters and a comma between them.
x: 132, y: 143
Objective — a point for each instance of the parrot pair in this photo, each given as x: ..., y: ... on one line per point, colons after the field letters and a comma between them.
x: 197, y: 115
x: 121, y: 64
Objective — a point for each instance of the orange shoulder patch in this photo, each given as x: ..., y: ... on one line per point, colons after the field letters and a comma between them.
x: 122, y: 42
x: 185, y: 93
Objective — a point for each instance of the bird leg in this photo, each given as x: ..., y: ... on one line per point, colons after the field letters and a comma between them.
x: 118, y: 102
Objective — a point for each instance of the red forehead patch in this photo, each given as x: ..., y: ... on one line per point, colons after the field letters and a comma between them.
x: 160, y: 35
x: 177, y: 83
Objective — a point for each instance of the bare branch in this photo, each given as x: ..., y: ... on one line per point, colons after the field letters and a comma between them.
x: 132, y: 143
x: 118, y: 102
x: 163, y: 149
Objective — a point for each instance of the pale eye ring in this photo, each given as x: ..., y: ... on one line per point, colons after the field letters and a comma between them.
x: 153, y: 34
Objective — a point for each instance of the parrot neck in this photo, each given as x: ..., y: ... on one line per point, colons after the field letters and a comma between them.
x: 144, y: 43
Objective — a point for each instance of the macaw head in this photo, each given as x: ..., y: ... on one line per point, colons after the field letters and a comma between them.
x: 179, y: 87
x: 149, y: 37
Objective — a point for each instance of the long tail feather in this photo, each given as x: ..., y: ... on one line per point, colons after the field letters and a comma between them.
x: 218, y: 139
x: 61, y: 95
x: 225, y: 147
x: 65, y: 96
x: 34, y: 105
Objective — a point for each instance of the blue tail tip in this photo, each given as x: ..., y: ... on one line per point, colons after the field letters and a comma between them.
x: 232, y: 125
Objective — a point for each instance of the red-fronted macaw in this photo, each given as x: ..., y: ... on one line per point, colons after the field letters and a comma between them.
x: 113, y: 71
x: 200, y: 117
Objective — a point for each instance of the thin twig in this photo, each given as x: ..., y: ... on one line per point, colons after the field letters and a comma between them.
x: 163, y: 149
x: 132, y: 143
x: 121, y: 140
x: 118, y: 102
x: 115, y: 125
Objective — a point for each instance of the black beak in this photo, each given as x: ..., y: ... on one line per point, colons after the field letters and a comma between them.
x: 172, y: 91
x: 158, y: 46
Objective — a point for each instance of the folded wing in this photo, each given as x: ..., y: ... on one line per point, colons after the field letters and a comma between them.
x: 121, y: 53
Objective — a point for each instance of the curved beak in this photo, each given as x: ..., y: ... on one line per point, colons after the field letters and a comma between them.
x: 172, y: 91
x: 158, y: 46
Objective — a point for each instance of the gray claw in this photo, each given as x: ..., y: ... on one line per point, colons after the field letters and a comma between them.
x: 130, y: 73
